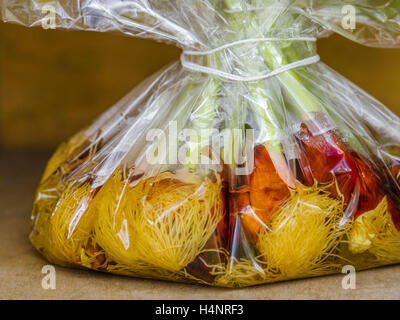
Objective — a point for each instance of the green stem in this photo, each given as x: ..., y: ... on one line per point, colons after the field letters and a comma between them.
x: 306, y: 102
x: 263, y: 106
x: 204, y: 119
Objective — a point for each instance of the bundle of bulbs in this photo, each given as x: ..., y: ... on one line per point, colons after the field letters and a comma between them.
x: 315, y: 188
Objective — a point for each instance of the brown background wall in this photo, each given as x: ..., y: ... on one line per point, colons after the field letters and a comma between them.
x: 53, y: 83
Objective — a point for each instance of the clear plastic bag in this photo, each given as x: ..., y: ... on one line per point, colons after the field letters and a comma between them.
x: 247, y: 162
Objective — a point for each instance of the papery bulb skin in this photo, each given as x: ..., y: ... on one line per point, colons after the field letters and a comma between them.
x: 396, y: 171
x: 267, y: 190
x: 259, y: 195
x: 325, y: 158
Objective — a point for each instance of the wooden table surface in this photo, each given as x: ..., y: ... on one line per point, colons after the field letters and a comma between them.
x: 21, y: 266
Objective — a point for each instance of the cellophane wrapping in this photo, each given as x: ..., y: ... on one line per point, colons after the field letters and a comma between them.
x: 215, y: 170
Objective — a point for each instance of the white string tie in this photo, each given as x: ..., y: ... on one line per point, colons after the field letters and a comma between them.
x: 228, y: 76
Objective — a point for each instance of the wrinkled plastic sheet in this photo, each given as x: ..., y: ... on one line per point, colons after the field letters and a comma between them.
x: 203, y: 174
